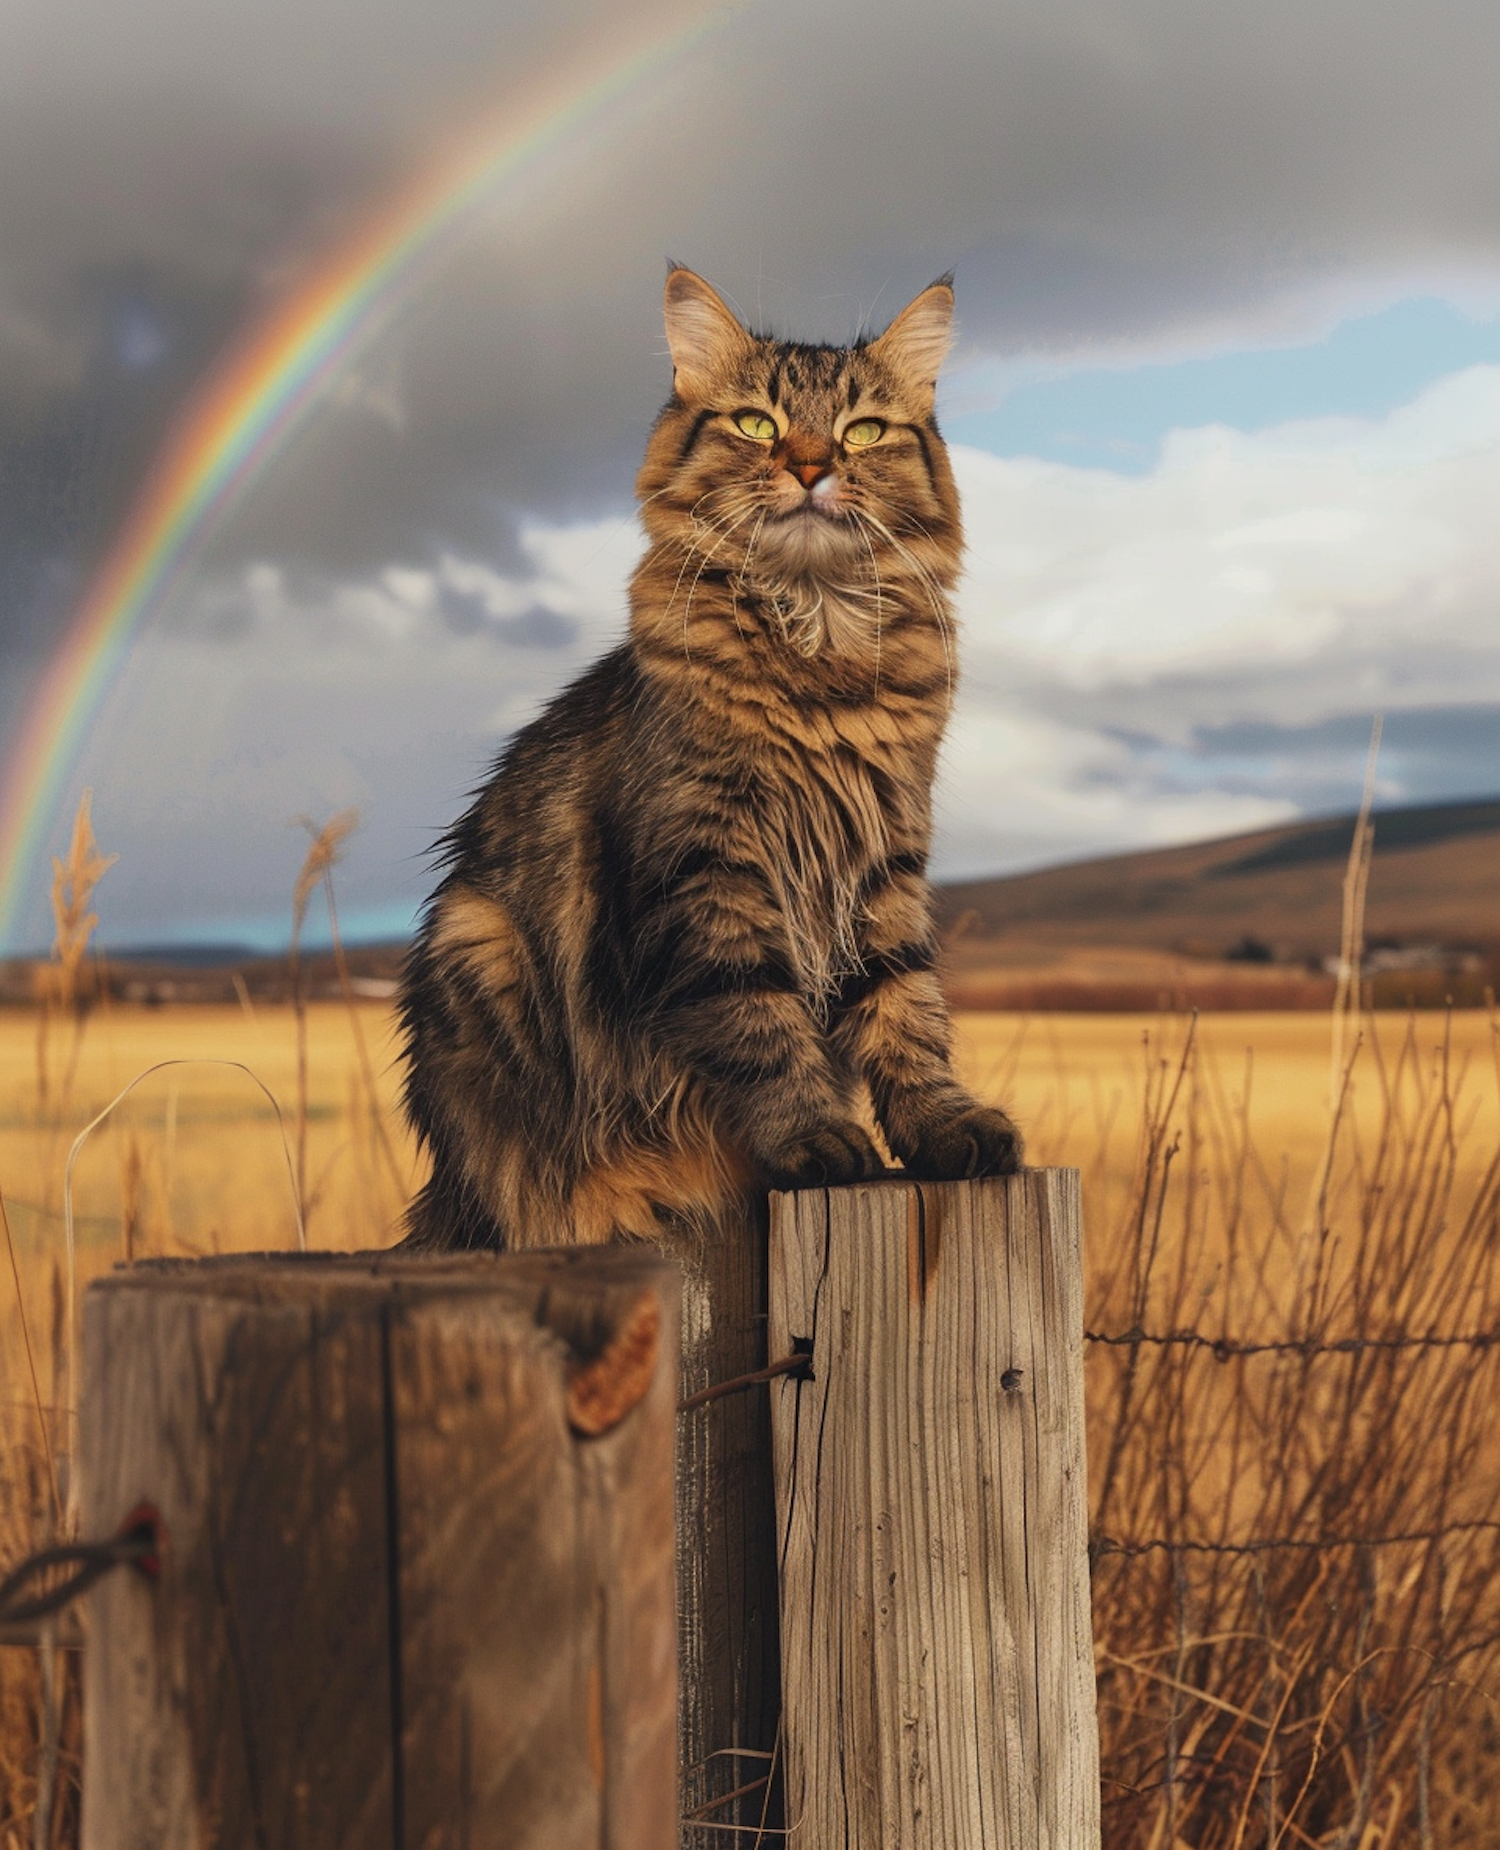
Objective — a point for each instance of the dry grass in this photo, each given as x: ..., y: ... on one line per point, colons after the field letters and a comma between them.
x: 1277, y: 1665
x: 1013, y: 978
x: 1290, y: 1697
x: 192, y: 1162
x: 203, y: 1131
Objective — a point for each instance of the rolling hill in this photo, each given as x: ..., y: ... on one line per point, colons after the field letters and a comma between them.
x: 1254, y: 914
x: 1244, y: 921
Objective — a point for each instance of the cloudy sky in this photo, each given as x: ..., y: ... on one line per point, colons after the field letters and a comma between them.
x: 1225, y: 407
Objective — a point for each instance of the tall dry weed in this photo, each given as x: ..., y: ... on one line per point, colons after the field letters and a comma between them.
x: 40, y: 1690
x: 1296, y: 1478
x: 40, y: 1685
x: 23, y: 1322
x: 323, y: 857
x: 65, y: 988
x: 323, y: 854
x: 1346, y: 1000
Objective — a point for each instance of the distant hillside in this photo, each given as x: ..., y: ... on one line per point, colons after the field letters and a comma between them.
x: 1245, y: 921
x: 160, y: 974
x: 1258, y: 913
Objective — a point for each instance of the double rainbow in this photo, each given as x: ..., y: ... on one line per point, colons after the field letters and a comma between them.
x: 253, y: 402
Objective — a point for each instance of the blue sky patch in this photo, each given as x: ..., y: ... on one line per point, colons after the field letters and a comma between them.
x: 1116, y: 418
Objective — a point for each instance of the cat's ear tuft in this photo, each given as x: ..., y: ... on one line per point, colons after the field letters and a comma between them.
x: 916, y: 343
x: 703, y: 336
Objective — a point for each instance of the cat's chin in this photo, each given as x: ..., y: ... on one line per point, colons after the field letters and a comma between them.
x: 809, y: 541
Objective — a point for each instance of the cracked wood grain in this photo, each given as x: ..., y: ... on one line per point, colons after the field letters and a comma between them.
x: 937, y: 1658
x: 410, y: 1600
x: 726, y: 1527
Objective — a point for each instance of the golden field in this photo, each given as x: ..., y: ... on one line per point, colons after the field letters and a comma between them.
x: 1331, y: 1686
x: 194, y: 1158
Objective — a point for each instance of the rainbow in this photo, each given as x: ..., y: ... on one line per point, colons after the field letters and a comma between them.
x: 261, y: 393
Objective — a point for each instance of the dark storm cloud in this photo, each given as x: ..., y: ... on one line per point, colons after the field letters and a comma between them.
x: 170, y: 171
x: 1427, y: 752
x: 1104, y: 175
x: 1101, y: 176
x: 1101, y: 173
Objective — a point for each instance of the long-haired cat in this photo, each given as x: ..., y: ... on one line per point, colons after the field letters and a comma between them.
x: 684, y: 939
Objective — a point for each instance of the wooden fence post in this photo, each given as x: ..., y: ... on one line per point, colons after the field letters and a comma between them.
x: 417, y: 1588
x: 935, y: 1627
x: 726, y: 1520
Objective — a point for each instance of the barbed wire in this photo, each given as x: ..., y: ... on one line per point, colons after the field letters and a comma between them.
x: 1226, y: 1348
x: 1101, y: 1546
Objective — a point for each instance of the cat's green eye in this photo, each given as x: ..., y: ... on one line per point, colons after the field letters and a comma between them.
x: 755, y: 424
x: 863, y: 432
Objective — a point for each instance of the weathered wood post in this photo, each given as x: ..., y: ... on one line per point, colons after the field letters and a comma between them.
x: 726, y: 1521
x: 935, y: 1630
x: 417, y: 1587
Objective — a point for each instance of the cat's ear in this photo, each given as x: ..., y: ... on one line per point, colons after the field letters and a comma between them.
x: 916, y: 343
x: 703, y: 336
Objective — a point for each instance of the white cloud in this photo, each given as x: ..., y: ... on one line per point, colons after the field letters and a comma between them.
x: 1288, y: 545
x: 1284, y: 577
x: 289, y: 701
x: 1020, y: 788
x: 1278, y: 579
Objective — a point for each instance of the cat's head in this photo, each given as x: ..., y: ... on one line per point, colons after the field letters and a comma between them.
x: 784, y: 462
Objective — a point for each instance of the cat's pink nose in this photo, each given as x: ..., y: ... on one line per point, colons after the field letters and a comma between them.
x: 808, y: 472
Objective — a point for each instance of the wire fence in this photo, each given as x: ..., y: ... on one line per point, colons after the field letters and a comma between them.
x: 1225, y: 1348
x: 1307, y: 1348
x: 1264, y: 1679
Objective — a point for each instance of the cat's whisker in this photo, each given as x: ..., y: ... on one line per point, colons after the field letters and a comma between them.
x: 716, y: 529
x: 728, y: 527
x: 736, y: 584
x: 919, y: 569
x: 863, y: 531
x: 689, y: 553
x: 936, y: 597
x: 733, y: 493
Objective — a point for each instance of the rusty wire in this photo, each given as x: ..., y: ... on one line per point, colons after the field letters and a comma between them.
x: 798, y: 1364
x: 1225, y: 1348
x: 1103, y: 1546
x: 137, y: 1542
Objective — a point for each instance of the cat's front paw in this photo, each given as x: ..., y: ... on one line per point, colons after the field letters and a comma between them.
x: 976, y: 1141
x: 831, y: 1154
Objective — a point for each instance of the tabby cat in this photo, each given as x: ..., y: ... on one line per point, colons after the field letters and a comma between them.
x: 684, y: 938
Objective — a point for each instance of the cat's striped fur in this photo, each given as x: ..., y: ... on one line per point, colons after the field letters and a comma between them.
x: 684, y: 938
